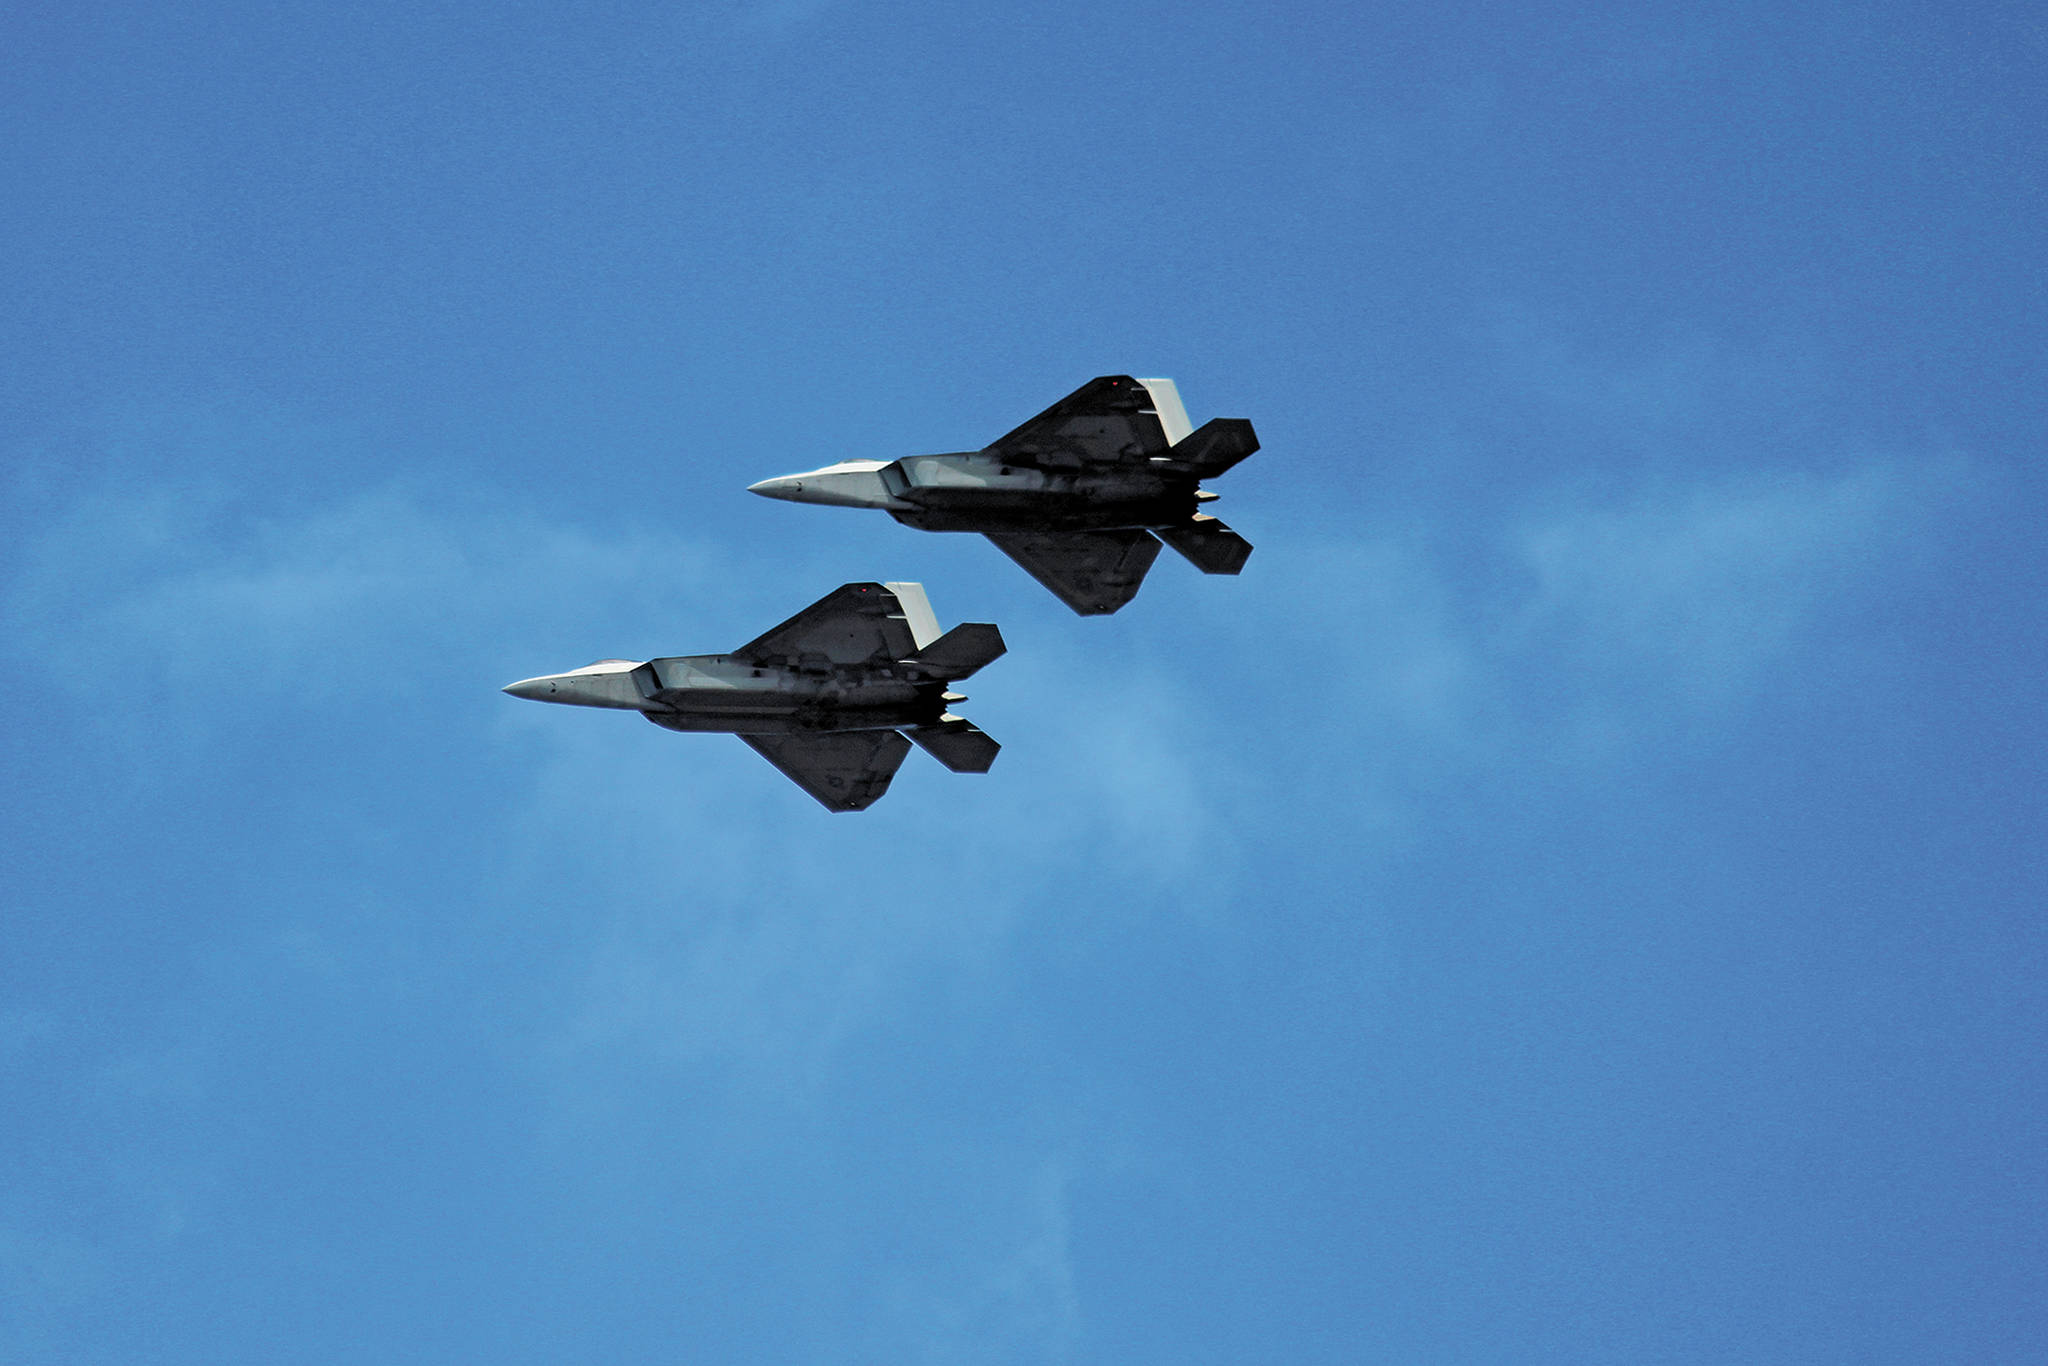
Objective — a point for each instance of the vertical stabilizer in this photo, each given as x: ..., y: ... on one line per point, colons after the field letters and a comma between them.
x: 1173, y: 418
x: 917, y: 612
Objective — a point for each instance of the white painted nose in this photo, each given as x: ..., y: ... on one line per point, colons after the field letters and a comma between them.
x: 789, y: 486
x: 533, y: 689
x: 612, y: 683
x: 849, y: 484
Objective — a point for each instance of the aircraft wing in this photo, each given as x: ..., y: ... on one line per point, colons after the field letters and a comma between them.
x: 846, y: 770
x: 1113, y: 420
x: 1093, y: 572
x: 856, y: 623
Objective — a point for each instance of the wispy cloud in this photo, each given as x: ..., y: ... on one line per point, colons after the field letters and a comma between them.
x: 43, y: 1275
x: 1018, y: 1301
x: 1686, y: 596
x: 1599, y: 614
x: 188, y: 585
x: 1584, y: 626
x: 718, y: 943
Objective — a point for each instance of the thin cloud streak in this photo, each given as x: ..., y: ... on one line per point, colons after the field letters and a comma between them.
x: 1696, y: 592
x: 733, y: 950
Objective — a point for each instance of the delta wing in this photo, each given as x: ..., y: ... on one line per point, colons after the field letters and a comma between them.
x: 858, y: 623
x: 846, y: 770
x: 1093, y: 572
x: 1113, y: 420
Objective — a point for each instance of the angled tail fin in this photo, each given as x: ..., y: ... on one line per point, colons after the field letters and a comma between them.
x: 916, y: 610
x: 1211, y: 546
x: 1173, y: 417
x: 957, y: 743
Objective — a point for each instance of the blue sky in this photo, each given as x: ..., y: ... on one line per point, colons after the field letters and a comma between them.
x: 1576, y: 897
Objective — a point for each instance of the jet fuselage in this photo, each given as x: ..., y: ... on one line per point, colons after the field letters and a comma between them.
x: 834, y: 697
x: 721, y: 693
x: 1082, y: 496
x: 974, y: 491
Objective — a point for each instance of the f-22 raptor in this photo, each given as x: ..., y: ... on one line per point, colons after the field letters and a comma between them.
x: 827, y: 697
x: 1076, y: 495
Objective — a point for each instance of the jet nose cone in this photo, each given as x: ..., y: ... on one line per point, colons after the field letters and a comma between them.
x: 788, y: 486
x: 535, y: 689
x: 848, y: 484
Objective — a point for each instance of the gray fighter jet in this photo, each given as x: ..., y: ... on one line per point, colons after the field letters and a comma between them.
x: 1076, y: 495
x: 827, y: 697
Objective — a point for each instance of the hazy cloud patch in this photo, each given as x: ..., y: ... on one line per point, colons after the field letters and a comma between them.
x: 1595, y: 623
x: 1017, y: 1301
x: 719, y: 915
x: 367, y: 596
x: 44, y: 1275
x: 1689, y: 597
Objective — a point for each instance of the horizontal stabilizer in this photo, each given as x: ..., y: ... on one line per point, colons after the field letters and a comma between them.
x: 1214, y: 446
x: 958, y: 744
x: 1211, y: 546
x: 960, y: 651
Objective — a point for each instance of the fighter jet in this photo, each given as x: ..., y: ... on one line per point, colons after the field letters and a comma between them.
x: 1076, y: 495
x: 827, y: 697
